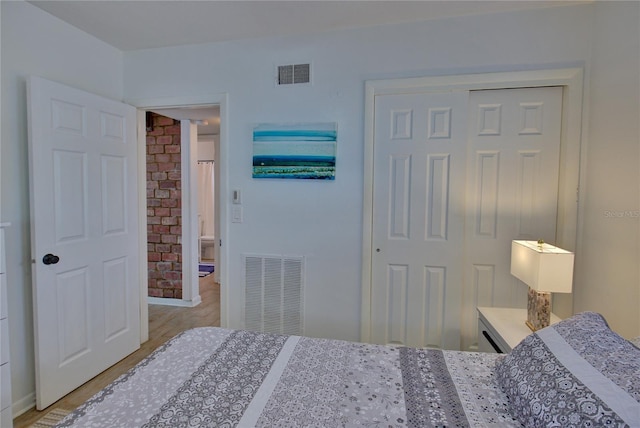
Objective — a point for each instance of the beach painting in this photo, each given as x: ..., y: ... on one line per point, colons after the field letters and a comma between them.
x: 304, y: 150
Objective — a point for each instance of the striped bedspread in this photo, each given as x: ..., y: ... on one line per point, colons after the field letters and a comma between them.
x: 213, y: 377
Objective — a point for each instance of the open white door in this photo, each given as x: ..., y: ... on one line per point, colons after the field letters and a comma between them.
x: 84, y: 231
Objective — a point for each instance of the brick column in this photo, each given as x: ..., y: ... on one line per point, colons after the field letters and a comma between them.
x: 164, y: 218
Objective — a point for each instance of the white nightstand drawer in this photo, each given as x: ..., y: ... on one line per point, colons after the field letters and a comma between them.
x: 2, y: 261
x: 5, y: 368
x: 5, y: 388
x: 5, y: 418
x: 4, y: 346
x: 487, y: 340
x: 4, y: 311
x: 505, y: 327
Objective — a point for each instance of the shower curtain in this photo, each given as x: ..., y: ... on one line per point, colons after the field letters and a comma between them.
x: 205, y: 198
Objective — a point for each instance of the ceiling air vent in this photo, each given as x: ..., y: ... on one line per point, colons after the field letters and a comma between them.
x: 294, y: 74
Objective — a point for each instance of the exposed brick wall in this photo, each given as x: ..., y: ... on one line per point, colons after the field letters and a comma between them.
x: 164, y: 219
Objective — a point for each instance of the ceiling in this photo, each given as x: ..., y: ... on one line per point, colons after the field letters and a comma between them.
x: 143, y: 24
x: 130, y: 25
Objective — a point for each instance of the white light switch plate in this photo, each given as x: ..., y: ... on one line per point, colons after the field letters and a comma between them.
x: 236, y: 214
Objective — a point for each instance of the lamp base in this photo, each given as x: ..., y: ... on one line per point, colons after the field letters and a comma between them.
x: 538, y: 309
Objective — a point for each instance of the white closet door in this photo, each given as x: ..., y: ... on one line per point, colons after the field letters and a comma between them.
x: 512, y: 190
x: 457, y: 176
x: 419, y: 164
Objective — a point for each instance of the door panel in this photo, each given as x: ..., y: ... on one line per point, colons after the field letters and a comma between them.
x: 70, y: 195
x: 114, y: 203
x: 420, y: 140
x: 512, y: 190
x: 84, y: 191
x: 74, y: 322
x: 116, y: 306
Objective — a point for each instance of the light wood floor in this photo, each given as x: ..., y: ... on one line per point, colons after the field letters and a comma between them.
x: 164, y: 323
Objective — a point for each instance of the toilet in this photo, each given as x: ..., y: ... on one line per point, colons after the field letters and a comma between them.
x: 206, y: 241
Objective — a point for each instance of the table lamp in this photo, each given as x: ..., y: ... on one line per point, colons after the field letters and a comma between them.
x: 545, y: 269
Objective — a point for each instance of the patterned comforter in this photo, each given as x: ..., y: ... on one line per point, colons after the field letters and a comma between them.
x: 577, y: 373
x: 213, y: 377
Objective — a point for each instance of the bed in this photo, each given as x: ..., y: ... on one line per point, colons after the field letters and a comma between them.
x: 575, y: 373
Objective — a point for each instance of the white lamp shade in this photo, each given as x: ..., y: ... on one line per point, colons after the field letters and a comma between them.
x: 542, y: 267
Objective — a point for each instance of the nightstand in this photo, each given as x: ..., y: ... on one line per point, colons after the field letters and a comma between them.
x: 501, y: 329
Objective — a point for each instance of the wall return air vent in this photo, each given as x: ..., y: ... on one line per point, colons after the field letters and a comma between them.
x: 294, y: 74
x: 273, y: 292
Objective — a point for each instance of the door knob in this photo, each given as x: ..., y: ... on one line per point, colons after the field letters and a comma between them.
x: 50, y: 259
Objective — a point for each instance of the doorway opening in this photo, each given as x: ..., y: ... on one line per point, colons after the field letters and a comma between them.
x: 180, y: 145
x: 202, y: 135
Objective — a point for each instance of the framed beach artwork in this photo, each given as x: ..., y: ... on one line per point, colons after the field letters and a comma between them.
x: 299, y: 151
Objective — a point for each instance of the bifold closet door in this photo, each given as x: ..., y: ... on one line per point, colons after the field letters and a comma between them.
x: 418, y: 216
x: 512, y: 191
x: 457, y: 176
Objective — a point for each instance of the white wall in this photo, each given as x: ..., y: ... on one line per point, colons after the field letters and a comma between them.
x: 607, y: 279
x: 322, y: 220
x: 35, y: 43
x: 207, y: 147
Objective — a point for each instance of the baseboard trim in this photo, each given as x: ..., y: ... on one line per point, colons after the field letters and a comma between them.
x: 23, y: 405
x: 175, y: 302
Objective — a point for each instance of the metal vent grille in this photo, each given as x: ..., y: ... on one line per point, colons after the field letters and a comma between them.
x: 273, y: 294
x: 294, y: 74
